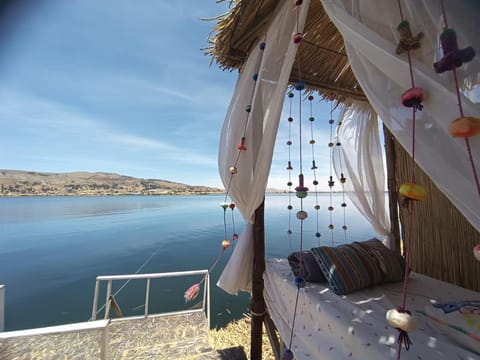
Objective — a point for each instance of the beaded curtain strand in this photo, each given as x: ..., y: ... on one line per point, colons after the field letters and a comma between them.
x: 314, y: 170
x: 290, y: 168
x: 301, y: 191
x: 193, y: 291
x: 343, y: 180
x: 413, y: 98
x: 331, y: 182
x: 449, y: 42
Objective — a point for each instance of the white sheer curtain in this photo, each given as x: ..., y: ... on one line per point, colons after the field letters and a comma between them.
x: 369, y: 31
x: 360, y: 160
x: 248, y: 185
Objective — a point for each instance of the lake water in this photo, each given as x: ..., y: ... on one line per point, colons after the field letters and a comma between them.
x: 52, y: 248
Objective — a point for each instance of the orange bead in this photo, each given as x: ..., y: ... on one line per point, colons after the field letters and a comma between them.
x: 467, y: 126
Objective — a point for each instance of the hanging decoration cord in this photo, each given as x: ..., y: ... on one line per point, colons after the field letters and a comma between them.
x: 301, y: 191
x: 410, y: 99
x: 314, y: 170
x: 460, y: 109
x: 192, y: 292
x: 331, y: 182
x: 343, y: 180
x: 290, y: 168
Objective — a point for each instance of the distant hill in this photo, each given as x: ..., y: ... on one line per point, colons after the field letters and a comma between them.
x: 29, y: 183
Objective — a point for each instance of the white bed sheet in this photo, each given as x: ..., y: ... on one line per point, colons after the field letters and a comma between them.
x: 330, y: 326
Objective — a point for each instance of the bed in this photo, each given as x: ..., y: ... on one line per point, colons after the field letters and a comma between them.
x: 353, y: 326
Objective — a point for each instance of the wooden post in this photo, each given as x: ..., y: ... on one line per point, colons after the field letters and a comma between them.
x: 392, y: 189
x: 258, y: 303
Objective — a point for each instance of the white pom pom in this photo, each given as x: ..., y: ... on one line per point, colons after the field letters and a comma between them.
x: 401, y: 320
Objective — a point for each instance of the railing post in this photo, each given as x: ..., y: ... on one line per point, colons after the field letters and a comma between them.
x: 2, y: 308
x: 208, y: 300
x: 147, y: 297
x: 95, y: 300
x: 107, y: 299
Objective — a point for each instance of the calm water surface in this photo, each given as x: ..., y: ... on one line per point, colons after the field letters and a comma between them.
x: 52, y: 248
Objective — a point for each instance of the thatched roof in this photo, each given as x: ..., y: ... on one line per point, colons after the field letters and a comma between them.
x: 322, y: 54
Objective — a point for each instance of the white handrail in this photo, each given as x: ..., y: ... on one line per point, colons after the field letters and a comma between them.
x: 151, y: 276
x: 148, y: 277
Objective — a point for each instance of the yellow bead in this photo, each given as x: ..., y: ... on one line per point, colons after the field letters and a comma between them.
x: 413, y: 191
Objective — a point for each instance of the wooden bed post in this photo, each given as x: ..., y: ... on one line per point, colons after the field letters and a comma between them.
x: 392, y: 189
x: 258, y: 303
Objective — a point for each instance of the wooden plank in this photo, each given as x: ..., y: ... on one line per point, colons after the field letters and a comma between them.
x: 258, y: 302
x: 272, y: 336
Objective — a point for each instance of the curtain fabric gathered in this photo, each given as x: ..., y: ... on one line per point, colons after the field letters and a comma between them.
x: 360, y: 160
x: 265, y: 95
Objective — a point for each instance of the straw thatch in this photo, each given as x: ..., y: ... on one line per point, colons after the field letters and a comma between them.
x: 442, y: 240
x: 322, y: 54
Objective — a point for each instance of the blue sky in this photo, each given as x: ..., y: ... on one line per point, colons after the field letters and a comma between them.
x: 117, y: 86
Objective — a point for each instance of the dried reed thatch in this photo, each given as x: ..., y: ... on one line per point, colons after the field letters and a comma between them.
x: 325, y: 66
x: 442, y: 242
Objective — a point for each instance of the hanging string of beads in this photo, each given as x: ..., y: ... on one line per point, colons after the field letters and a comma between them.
x: 300, y: 191
x: 314, y: 170
x: 290, y: 168
x: 331, y: 182
x: 453, y: 57
x: 193, y: 291
x: 400, y: 318
x: 343, y: 180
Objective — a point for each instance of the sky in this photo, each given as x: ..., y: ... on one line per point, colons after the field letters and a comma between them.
x: 119, y: 86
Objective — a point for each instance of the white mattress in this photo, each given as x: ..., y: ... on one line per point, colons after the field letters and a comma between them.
x: 330, y: 326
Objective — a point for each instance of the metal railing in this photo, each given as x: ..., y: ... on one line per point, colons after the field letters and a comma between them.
x: 148, y: 277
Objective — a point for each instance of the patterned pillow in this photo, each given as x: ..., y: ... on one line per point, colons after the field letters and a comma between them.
x: 358, y: 265
x: 390, y: 262
x: 304, y: 264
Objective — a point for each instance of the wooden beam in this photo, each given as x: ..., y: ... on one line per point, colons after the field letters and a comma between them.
x: 392, y: 189
x: 258, y: 302
x: 272, y: 336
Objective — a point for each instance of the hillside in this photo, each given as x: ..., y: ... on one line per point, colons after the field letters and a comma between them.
x: 28, y: 183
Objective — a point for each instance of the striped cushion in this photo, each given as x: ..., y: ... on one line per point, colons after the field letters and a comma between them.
x: 350, y: 267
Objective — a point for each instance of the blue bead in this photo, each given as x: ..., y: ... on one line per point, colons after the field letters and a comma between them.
x: 262, y: 46
x: 290, y: 94
x: 287, y: 354
x: 299, y: 282
x: 248, y: 108
x: 300, y: 85
x: 318, y: 234
x: 255, y: 77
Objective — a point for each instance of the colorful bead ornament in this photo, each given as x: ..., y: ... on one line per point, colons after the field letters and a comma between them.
x: 404, y: 322
x: 413, y: 191
x: 413, y: 97
x: 297, y: 38
x: 407, y: 40
x: 464, y: 127
x: 453, y: 57
x: 287, y: 354
x: 226, y: 244
x: 400, y: 318
x: 301, y: 189
x: 242, y: 146
x: 476, y: 252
